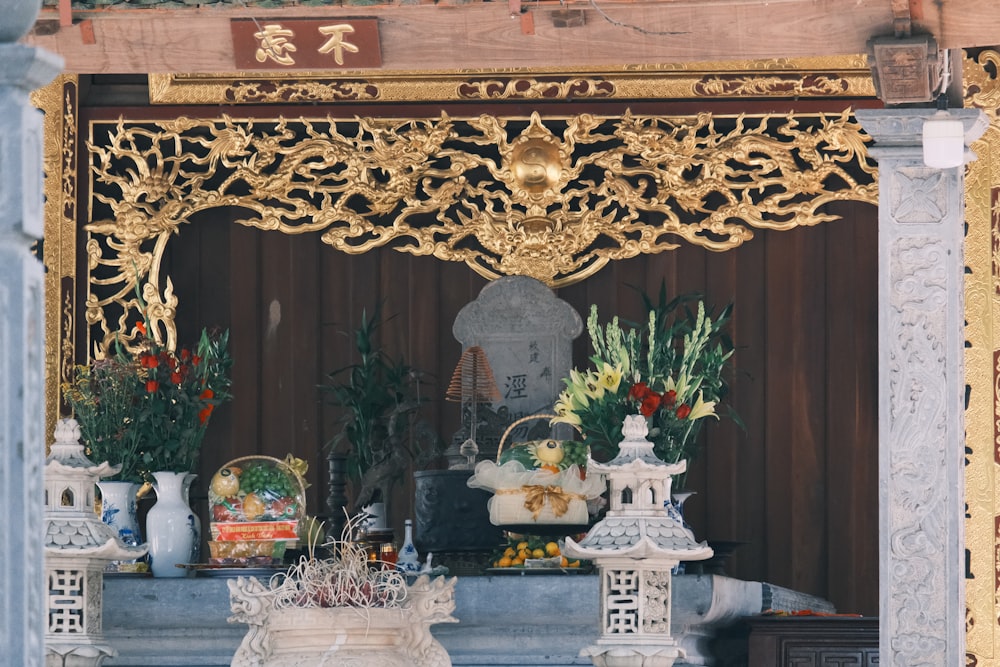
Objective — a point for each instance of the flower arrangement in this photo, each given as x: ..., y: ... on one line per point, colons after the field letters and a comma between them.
x: 147, y: 410
x: 669, y: 370
x: 178, y: 391
x: 103, y: 396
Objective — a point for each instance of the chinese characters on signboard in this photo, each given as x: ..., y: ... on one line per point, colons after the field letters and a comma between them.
x: 526, y: 381
x: 306, y: 43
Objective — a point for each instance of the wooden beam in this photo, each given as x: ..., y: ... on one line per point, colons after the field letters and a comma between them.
x: 486, y: 35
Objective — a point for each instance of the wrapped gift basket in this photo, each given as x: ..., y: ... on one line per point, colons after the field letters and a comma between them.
x: 256, y: 503
x: 537, y: 483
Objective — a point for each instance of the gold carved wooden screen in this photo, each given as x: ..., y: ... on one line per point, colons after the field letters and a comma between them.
x: 554, y: 200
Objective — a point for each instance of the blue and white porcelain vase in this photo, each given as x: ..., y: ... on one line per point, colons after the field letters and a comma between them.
x: 408, y: 560
x: 171, y: 526
x: 118, y: 510
x: 675, y: 508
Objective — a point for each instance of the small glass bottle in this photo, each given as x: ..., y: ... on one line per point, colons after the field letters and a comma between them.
x: 408, y: 560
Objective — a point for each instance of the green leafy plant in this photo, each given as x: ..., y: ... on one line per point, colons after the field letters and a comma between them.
x: 381, y: 431
x: 668, y: 369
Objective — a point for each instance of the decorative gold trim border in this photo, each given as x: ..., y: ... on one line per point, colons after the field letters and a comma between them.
x: 59, y: 102
x: 829, y: 77
x: 982, y: 369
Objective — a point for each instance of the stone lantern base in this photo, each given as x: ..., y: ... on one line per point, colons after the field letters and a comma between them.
x: 622, y: 655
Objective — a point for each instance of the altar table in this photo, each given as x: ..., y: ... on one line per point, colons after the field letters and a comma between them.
x: 504, y: 621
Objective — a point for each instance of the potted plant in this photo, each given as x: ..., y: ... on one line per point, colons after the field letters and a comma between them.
x: 380, y: 432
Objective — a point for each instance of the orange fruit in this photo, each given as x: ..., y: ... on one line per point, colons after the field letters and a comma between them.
x: 253, y: 507
x: 575, y: 563
x: 505, y: 562
x: 522, y: 545
x: 551, y: 549
x: 564, y: 562
x: 538, y: 553
x: 523, y: 554
x: 509, y: 552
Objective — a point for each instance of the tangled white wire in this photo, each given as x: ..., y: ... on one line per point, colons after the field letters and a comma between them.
x: 344, y: 580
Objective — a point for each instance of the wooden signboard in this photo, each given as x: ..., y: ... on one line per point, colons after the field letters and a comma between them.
x: 314, y: 44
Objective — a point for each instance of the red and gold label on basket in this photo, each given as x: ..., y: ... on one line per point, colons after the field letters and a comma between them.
x: 254, y: 530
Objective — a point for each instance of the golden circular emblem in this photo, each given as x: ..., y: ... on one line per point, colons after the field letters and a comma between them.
x: 535, y: 165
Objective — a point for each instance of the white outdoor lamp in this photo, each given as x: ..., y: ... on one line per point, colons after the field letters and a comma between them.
x: 943, y: 141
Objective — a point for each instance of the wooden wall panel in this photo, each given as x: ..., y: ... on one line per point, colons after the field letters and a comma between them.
x: 797, y: 487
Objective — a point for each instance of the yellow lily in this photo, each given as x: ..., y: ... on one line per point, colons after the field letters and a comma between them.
x: 702, y: 408
x: 564, y: 411
x: 610, y: 378
x: 576, y: 389
x: 595, y: 390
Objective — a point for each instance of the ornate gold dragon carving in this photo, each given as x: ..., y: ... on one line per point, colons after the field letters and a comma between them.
x: 554, y: 200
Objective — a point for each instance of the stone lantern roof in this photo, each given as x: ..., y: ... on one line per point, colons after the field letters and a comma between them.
x: 638, y: 525
x: 72, y: 527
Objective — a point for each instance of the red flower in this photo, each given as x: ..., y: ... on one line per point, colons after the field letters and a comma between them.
x: 650, y: 404
x: 148, y: 361
x: 683, y: 411
x: 171, y: 363
x: 141, y: 326
x: 639, y: 391
x: 195, y: 360
x: 185, y: 354
x: 670, y: 398
x: 208, y: 393
x: 176, y: 377
x: 205, y: 413
x: 152, y: 386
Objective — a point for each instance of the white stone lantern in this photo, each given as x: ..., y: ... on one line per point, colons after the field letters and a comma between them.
x: 77, y: 547
x: 634, y: 548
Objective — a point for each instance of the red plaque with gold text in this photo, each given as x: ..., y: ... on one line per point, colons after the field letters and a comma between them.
x: 306, y: 44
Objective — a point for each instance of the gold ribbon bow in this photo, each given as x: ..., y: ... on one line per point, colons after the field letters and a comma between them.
x: 298, y: 465
x: 537, y: 495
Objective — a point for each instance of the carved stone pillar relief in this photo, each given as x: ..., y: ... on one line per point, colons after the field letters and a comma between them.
x: 921, y: 388
x: 22, y: 299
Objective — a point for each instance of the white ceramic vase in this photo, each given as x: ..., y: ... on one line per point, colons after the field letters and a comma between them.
x: 118, y: 510
x: 118, y: 505
x: 171, y: 526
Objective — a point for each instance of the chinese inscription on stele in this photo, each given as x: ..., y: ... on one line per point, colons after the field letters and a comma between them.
x: 306, y: 43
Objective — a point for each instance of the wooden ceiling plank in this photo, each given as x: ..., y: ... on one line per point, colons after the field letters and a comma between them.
x: 485, y: 35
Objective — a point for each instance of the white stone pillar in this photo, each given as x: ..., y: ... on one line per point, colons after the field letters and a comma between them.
x: 22, y: 345
x: 921, y: 392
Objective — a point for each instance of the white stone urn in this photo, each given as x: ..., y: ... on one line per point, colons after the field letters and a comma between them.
x: 290, y: 636
x: 18, y: 17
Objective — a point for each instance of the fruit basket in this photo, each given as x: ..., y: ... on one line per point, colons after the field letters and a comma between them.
x: 541, y: 482
x: 257, y: 502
